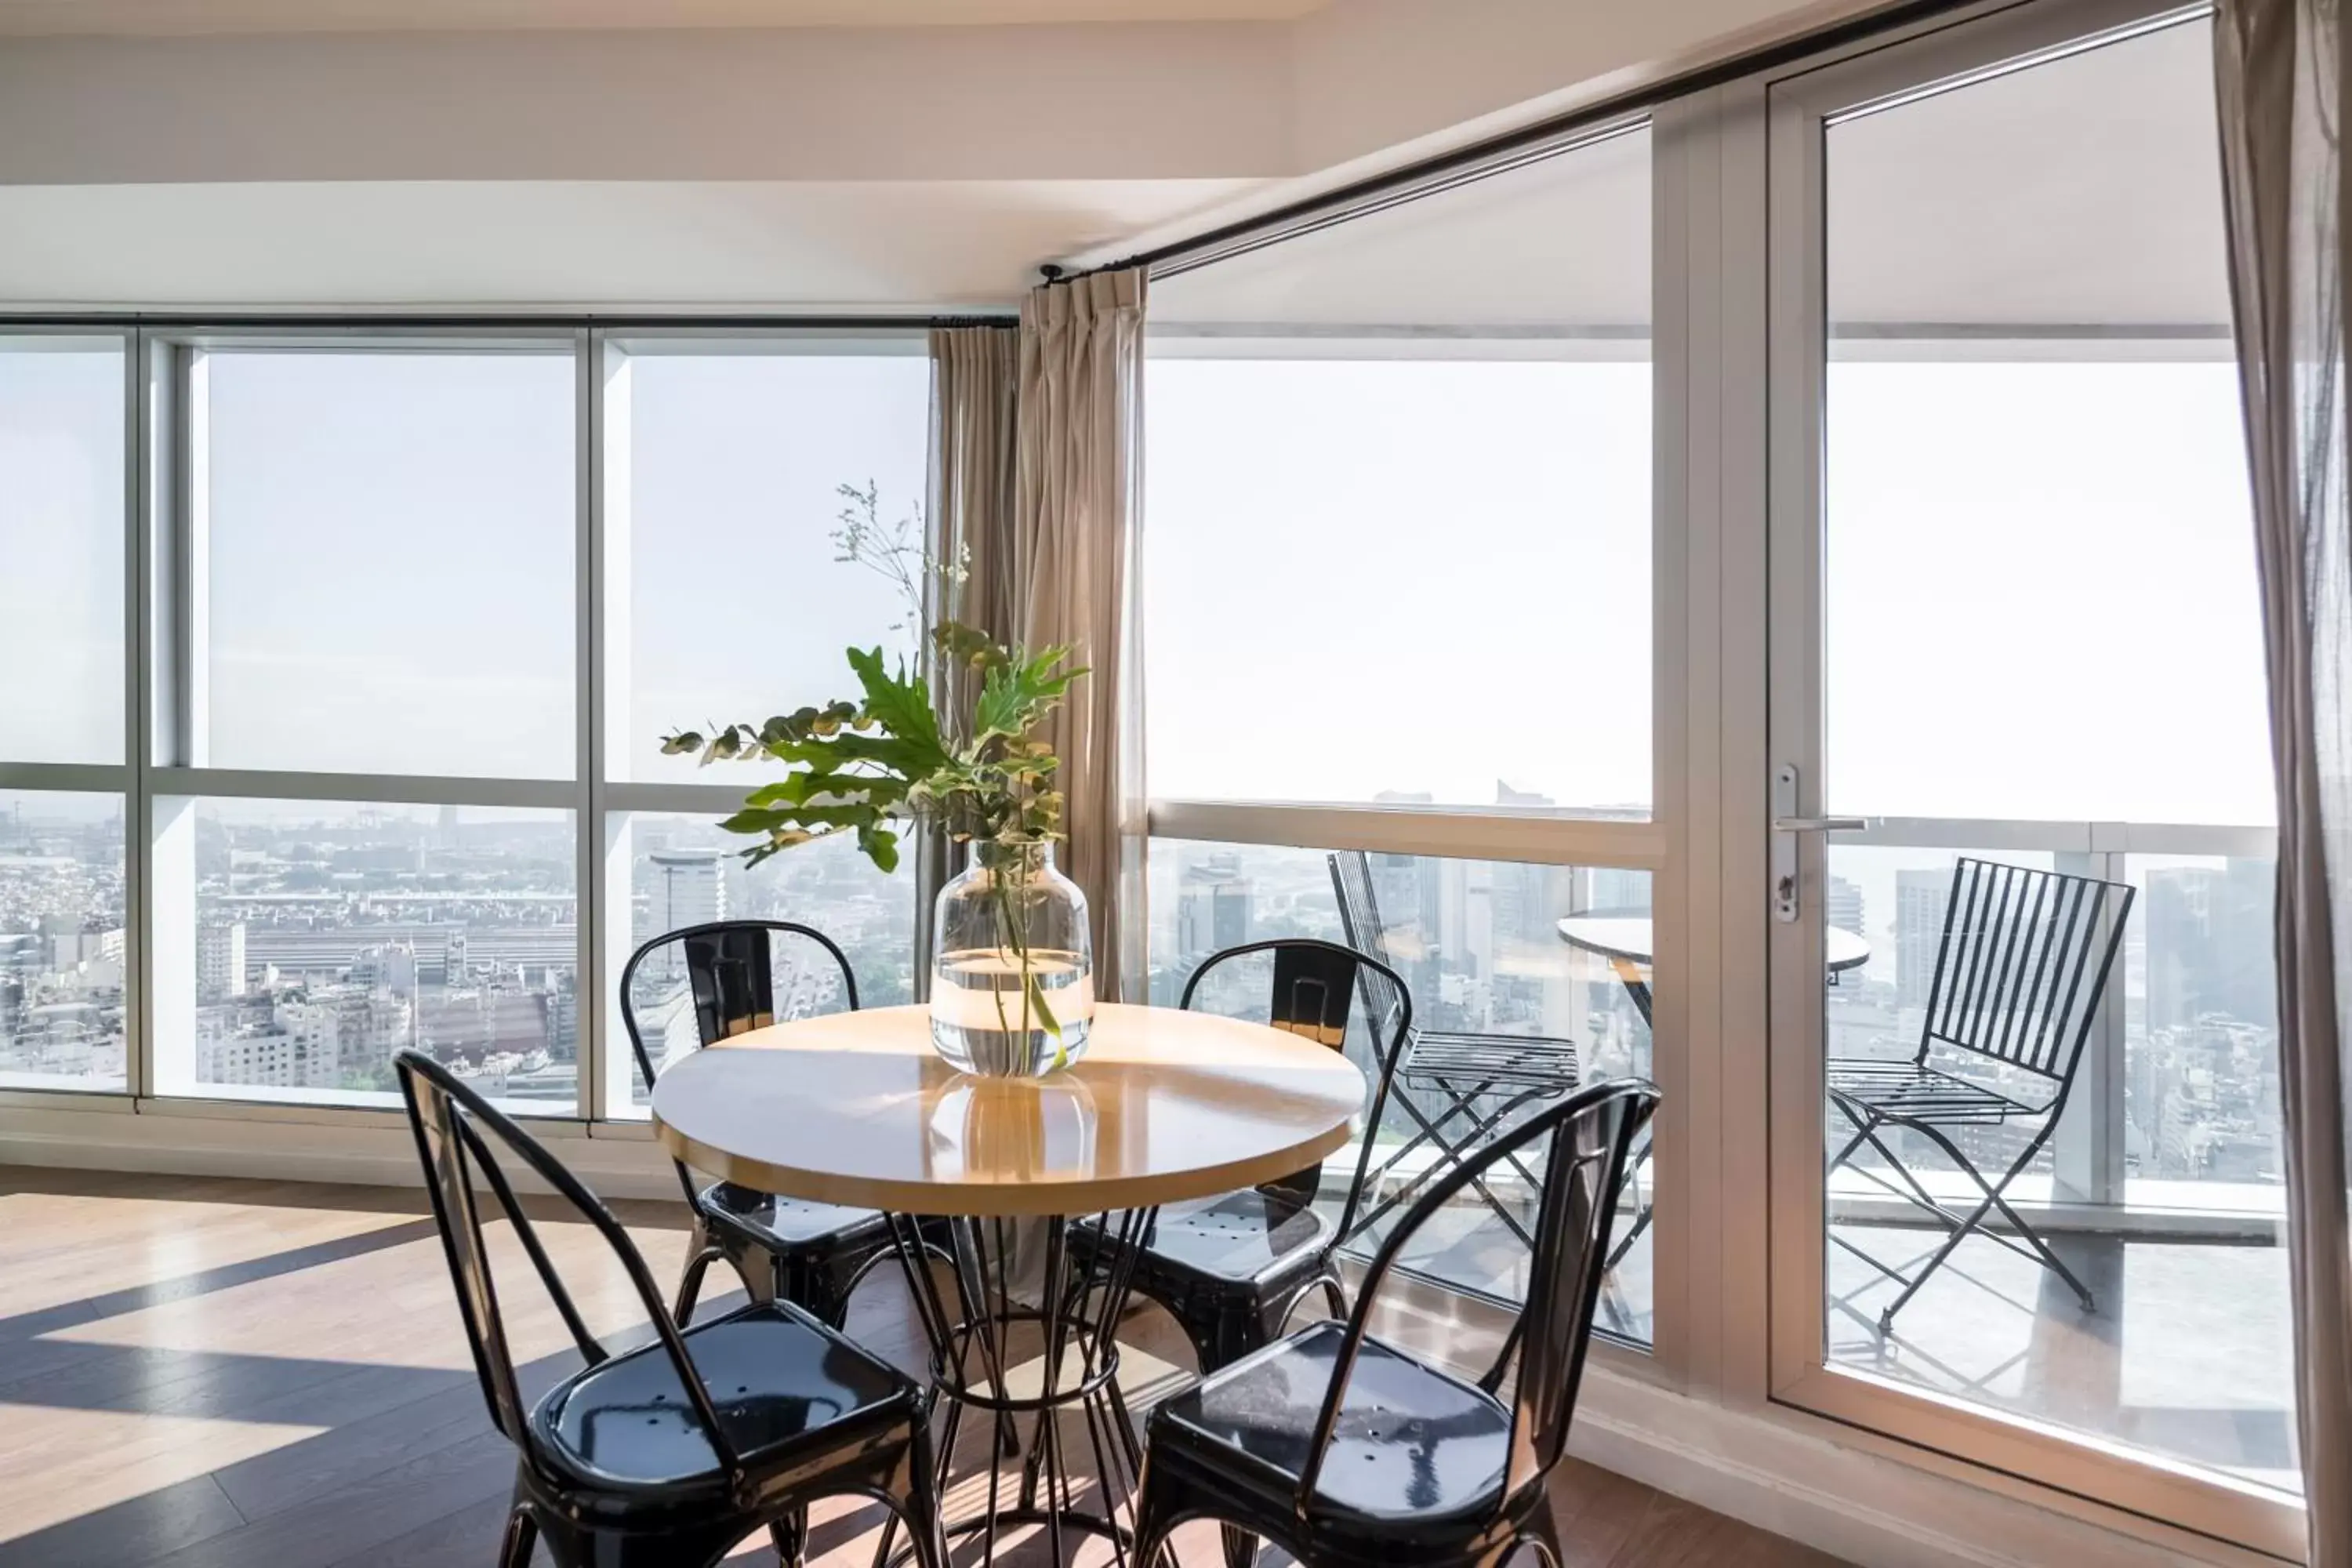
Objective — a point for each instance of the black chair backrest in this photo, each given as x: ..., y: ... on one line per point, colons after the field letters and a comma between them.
x: 1314, y: 983
x: 449, y: 1119
x: 1360, y: 919
x: 1587, y: 1138
x: 730, y: 978
x: 2022, y: 962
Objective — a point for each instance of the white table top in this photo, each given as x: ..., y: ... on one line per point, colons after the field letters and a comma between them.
x: 857, y: 1109
x: 1628, y: 937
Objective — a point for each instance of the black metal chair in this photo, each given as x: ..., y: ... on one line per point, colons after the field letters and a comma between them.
x: 671, y: 1453
x: 719, y: 980
x: 1342, y: 1448
x: 2020, y: 970
x: 1232, y: 1270
x: 1482, y: 1079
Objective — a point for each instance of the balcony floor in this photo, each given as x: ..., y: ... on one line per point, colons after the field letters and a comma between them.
x: 2189, y: 1353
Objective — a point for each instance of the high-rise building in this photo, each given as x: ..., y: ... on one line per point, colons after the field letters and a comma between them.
x: 220, y: 960
x: 1212, y: 906
x: 1920, y: 896
x: 2209, y: 943
x: 1842, y: 904
x: 687, y: 888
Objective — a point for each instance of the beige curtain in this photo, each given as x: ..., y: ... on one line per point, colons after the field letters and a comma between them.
x: 2281, y: 70
x: 974, y: 371
x: 1078, y: 478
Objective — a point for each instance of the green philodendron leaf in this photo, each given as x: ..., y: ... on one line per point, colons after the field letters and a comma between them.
x: 881, y: 846
x: 901, y: 704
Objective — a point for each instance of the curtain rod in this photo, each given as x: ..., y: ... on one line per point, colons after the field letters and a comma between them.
x: 247, y: 320
x: 1248, y: 234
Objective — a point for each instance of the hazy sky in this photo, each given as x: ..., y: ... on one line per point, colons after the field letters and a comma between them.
x: 61, y: 499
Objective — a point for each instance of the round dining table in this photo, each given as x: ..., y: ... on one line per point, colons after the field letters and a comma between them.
x: 857, y: 1109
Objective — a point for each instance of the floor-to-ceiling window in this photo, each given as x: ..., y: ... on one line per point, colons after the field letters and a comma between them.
x: 1396, y: 599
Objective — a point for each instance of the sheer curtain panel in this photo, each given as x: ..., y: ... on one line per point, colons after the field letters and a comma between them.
x: 2280, y: 76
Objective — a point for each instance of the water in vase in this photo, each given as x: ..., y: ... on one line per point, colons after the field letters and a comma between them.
x: 985, y: 1020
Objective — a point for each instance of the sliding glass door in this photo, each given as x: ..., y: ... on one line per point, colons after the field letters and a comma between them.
x: 2026, y: 1142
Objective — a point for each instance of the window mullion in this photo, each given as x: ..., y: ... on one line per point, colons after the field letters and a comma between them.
x: 588, y: 688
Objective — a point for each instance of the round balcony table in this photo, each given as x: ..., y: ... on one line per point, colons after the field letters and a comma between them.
x: 1167, y: 1106
x: 1625, y: 941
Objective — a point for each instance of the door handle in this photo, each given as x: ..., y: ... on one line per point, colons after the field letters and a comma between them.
x: 1786, y: 826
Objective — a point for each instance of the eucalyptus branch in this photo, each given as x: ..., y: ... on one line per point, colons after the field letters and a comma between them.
x: 865, y: 766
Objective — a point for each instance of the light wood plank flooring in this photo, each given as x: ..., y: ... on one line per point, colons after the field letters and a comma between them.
x: 212, y: 1373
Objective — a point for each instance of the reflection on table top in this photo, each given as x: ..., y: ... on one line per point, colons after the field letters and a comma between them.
x: 855, y: 1108
x: 1628, y: 937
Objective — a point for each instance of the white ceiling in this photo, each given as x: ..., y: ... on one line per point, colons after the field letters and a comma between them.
x: 170, y: 17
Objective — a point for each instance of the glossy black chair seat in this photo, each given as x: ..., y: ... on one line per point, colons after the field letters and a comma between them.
x: 1250, y: 1237
x: 781, y: 1384
x: 1413, y: 1444
x: 788, y: 1225
x: 1343, y: 1449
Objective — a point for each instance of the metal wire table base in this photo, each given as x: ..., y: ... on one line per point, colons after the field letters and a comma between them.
x: 985, y: 1343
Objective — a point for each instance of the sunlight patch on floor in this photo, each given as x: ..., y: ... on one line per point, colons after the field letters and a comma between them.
x: 80, y: 1461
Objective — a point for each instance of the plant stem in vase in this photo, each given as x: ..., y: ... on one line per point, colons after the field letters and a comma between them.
x: 1012, y: 980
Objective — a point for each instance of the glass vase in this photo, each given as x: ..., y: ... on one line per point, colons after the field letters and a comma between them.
x: 1012, y: 966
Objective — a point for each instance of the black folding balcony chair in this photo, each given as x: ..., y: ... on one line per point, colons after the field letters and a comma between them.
x: 717, y: 981
x: 668, y: 1455
x: 1342, y: 1448
x: 2020, y: 970
x: 1481, y: 1080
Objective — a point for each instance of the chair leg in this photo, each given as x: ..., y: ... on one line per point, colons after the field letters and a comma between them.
x: 521, y: 1536
x: 1153, y: 1524
x: 917, y: 1498
x: 690, y: 1286
x: 790, y: 1537
x: 1540, y: 1530
x: 1964, y: 1225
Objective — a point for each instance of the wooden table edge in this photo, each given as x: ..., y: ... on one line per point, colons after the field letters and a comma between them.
x: 1001, y: 1200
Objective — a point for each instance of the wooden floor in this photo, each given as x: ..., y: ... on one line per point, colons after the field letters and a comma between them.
x: 254, y: 1375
